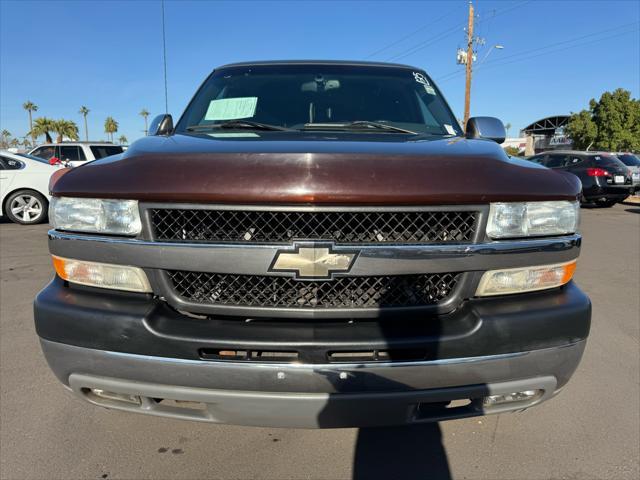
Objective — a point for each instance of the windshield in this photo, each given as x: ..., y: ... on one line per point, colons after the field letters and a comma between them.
x: 32, y: 157
x: 605, y: 160
x: 321, y: 96
x: 101, y: 151
x: 629, y: 160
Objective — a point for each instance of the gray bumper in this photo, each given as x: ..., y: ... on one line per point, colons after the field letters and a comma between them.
x: 312, y: 396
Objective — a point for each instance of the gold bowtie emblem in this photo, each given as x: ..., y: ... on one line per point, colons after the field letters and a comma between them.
x: 314, y: 262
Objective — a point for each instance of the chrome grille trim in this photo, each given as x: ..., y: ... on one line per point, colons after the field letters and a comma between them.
x: 254, y: 259
x: 373, y: 259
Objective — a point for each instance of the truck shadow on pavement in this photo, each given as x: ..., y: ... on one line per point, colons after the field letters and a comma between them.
x: 410, y: 451
x: 407, y: 452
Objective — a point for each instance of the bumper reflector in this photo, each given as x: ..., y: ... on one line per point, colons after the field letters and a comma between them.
x: 525, y: 279
x: 526, y: 396
x: 102, y: 275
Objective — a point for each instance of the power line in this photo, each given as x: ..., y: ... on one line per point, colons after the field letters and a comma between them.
x: 500, y: 63
x: 413, y: 33
x: 497, y: 13
x: 563, y: 42
x: 455, y: 73
x: 422, y: 45
x: 164, y: 61
x: 448, y: 32
x: 596, y: 40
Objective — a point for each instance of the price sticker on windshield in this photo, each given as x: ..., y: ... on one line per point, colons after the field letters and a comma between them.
x: 231, y: 108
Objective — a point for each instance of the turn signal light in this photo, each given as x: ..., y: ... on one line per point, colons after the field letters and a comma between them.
x: 525, y: 279
x: 102, y: 275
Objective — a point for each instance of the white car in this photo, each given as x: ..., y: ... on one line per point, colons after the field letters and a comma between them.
x: 76, y: 153
x: 24, y: 187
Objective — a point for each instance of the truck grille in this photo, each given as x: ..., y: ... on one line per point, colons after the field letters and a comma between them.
x: 285, y: 292
x: 188, y: 225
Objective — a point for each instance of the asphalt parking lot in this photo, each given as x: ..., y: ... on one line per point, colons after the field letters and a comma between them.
x: 590, y: 431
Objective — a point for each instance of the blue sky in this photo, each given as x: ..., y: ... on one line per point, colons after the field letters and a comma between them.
x: 107, y: 54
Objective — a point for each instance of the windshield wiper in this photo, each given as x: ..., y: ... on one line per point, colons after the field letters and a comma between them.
x: 357, y: 125
x: 238, y: 124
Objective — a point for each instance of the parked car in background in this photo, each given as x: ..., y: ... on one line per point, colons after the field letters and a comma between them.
x: 24, y: 187
x: 605, y: 179
x: 76, y: 153
x: 633, y: 164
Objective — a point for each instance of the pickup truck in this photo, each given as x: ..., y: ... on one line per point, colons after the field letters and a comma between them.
x: 314, y: 244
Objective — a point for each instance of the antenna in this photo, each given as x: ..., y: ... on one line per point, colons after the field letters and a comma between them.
x: 164, y: 60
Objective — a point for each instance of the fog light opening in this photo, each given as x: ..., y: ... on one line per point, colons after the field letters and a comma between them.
x: 525, y: 396
x: 182, y: 404
x: 98, y: 394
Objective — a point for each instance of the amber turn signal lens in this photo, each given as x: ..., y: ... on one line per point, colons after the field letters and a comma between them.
x: 525, y: 279
x: 569, y: 270
x: 102, y: 275
x: 58, y: 265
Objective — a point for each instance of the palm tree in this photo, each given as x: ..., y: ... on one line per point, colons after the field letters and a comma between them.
x: 65, y: 128
x: 507, y: 127
x: 30, y: 107
x: 5, y: 135
x: 123, y: 140
x: 110, y: 127
x: 144, y: 113
x: 84, y: 111
x: 15, y: 143
x: 42, y: 126
x: 26, y: 143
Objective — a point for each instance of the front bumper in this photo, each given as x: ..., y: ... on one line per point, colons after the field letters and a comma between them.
x: 134, y: 344
x: 181, y: 388
x: 610, y: 192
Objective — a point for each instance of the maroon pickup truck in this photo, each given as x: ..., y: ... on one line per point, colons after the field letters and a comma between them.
x: 315, y: 244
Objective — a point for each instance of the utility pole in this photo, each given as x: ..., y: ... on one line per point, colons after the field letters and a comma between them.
x: 467, y: 90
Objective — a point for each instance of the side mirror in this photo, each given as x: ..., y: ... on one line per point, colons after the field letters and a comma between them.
x: 488, y: 128
x: 161, y: 125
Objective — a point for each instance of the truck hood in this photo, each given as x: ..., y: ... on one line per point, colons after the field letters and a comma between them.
x: 316, y: 168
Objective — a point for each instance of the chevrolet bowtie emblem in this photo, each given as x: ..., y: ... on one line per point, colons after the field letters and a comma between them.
x: 313, y: 261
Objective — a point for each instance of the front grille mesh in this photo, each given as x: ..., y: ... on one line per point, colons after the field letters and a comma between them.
x: 285, y: 292
x: 183, y: 225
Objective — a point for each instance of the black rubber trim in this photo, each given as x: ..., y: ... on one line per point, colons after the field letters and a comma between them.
x: 141, y: 324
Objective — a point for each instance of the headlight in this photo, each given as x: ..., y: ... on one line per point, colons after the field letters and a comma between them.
x: 527, y: 279
x: 532, y: 219
x: 103, y: 275
x: 118, y: 217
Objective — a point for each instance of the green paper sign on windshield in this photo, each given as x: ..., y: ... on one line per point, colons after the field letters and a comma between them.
x: 231, y: 108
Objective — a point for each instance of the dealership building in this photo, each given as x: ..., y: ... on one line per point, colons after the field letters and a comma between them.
x: 546, y: 134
